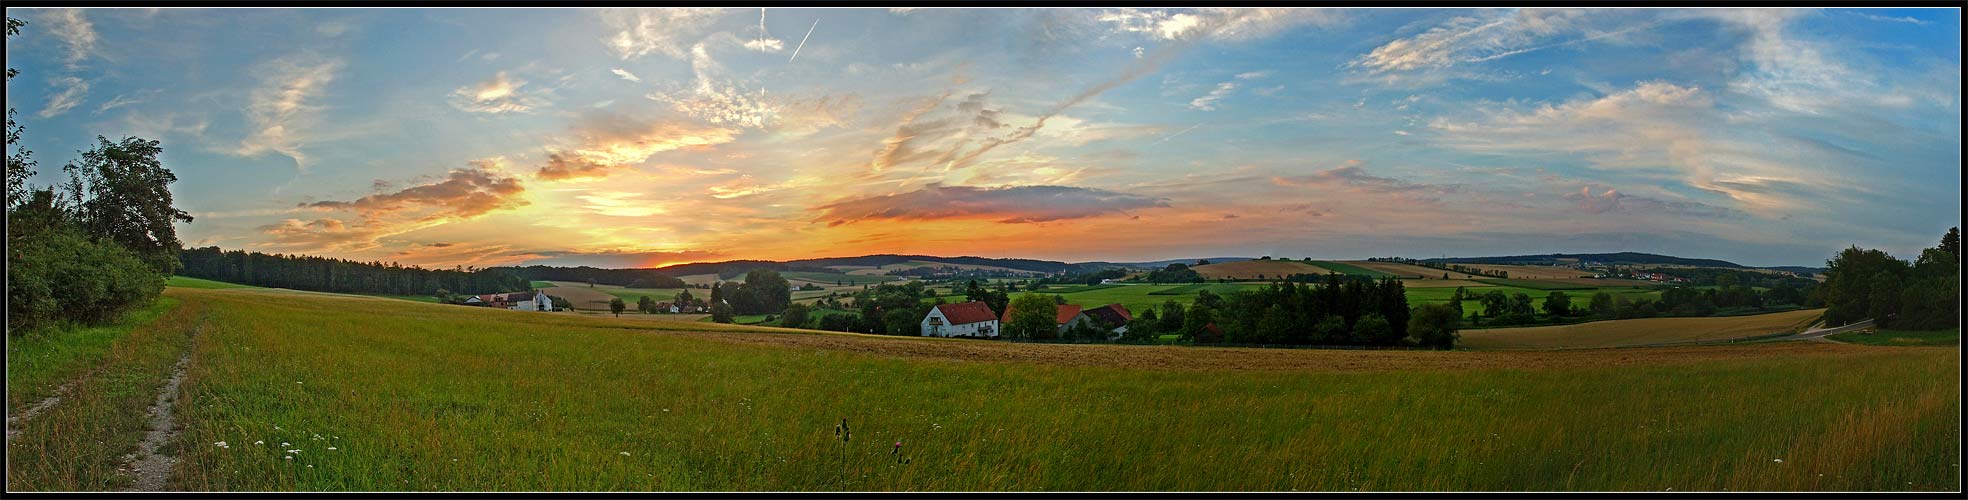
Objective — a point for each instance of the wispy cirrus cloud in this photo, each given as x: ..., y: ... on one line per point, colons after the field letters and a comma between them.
x: 73, y: 91
x: 282, y: 110
x: 1213, y: 23
x: 76, y: 33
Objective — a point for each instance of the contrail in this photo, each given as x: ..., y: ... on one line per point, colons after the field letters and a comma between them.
x: 1184, y: 131
x: 809, y: 34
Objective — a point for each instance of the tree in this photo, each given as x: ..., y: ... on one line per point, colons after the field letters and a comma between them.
x: 1172, y: 317
x: 1951, y: 242
x: 1602, y: 304
x: 1557, y: 304
x: 122, y: 193
x: 1196, y: 319
x: 616, y: 306
x: 1857, y: 283
x: 684, y: 298
x: 795, y: 316
x: 1144, y: 328
x: 1330, y: 330
x: 1031, y: 317
x: 1455, y: 299
x: 1372, y: 329
x: 1434, y: 325
x: 645, y: 304
x: 721, y: 313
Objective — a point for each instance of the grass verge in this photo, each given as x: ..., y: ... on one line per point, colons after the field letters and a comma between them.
x: 1948, y: 337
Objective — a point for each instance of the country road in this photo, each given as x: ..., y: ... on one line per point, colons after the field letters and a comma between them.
x: 1822, y: 333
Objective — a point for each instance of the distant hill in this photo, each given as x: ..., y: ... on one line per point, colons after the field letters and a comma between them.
x: 1604, y: 258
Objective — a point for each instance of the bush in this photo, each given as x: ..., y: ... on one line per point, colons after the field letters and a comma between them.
x: 58, y: 274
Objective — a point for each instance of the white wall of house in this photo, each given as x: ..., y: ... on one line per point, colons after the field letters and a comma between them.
x: 936, y: 325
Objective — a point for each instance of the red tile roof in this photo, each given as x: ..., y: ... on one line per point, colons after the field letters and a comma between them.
x: 967, y: 312
x: 1115, y: 314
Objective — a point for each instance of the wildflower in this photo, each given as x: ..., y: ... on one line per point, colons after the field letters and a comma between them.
x: 331, y: 448
x: 310, y: 467
x: 221, y: 444
x: 294, y: 451
x: 259, y: 442
x: 1778, y: 460
x: 898, y: 448
x: 289, y: 457
x: 284, y: 444
x: 625, y: 453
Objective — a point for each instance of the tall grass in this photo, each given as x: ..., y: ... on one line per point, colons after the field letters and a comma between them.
x: 421, y: 397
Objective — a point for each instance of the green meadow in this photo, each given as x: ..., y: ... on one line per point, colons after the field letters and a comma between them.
x: 370, y: 394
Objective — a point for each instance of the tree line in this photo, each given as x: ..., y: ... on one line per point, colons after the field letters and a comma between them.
x: 95, y: 246
x: 322, y: 274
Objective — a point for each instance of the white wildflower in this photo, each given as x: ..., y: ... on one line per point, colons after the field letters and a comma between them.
x: 221, y: 444
x: 1778, y: 460
x: 331, y: 448
x: 625, y: 453
x: 259, y: 442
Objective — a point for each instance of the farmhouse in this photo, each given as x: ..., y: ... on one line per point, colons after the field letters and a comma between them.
x: 519, y: 301
x: 967, y: 319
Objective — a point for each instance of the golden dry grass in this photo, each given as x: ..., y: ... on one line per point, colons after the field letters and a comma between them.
x: 1627, y: 332
x: 1534, y: 272
x: 1251, y: 269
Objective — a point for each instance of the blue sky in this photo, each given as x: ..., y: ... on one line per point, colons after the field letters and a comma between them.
x: 650, y: 136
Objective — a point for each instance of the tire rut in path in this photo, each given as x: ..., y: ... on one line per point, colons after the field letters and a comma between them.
x: 35, y: 409
x: 149, y: 469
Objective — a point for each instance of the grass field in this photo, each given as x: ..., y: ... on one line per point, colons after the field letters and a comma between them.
x: 188, y: 282
x: 1251, y: 269
x: 542, y: 284
x: 418, y: 397
x: 1565, y: 284
x: 1627, y: 332
x: 1344, y: 268
x: 1949, y: 337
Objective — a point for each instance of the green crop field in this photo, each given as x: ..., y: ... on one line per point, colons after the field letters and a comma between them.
x: 320, y: 392
x: 1344, y: 268
x: 545, y: 284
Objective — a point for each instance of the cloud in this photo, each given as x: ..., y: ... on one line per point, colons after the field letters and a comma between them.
x: 1613, y: 201
x: 1488, y: 36
x: 1800, y: 75
x: 1010, y: 205
x: 464, y: 193
x: 1886, y: 19
x: 74, y: 90
x: 1213, y: 23
x: 605, y: 142
x: 122, y: 100
x: 499, y: 94
x: 640, y: 32
x: 281, y: 110
x: 620, y: 259
x: 75, y: 31
x: 1355, y: 178
x: 319, y: 234
x: 1208, y: 101
x: 626, y: 75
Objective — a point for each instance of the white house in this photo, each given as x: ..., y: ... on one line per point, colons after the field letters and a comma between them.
x: 518, y: 301
x: 968, y: 319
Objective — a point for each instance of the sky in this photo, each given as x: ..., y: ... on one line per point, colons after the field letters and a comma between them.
x: 647, y: 137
